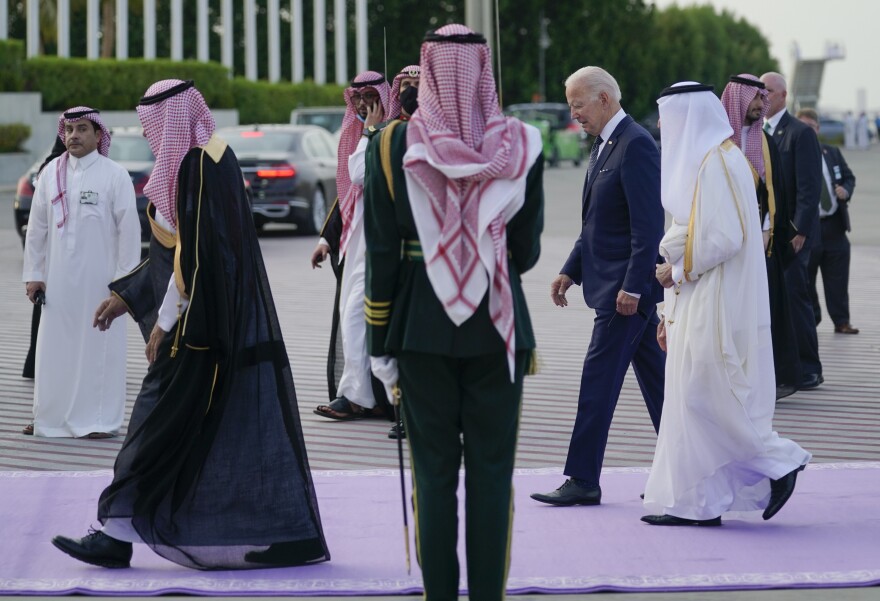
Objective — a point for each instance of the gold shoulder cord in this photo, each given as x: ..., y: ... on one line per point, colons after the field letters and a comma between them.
x: 385, y: 154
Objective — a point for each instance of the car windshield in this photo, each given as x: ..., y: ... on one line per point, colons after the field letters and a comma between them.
x: 263, y: 141
x: 130, y: 148
x: 329, y: 121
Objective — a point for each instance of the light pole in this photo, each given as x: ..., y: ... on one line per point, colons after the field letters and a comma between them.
x: 543, y: 44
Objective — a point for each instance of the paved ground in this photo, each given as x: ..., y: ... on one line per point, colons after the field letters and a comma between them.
x: 837, y: 422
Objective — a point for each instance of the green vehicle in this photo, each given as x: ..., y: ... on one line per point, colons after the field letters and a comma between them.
x: 563, y: 138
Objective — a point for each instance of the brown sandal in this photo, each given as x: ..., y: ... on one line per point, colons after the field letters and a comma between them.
x: 28, y: 430
x: 97, y: 435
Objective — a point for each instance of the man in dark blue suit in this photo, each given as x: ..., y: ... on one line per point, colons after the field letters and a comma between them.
x: 614, y: 261
x: 831, y: 254
x: 802, y: 181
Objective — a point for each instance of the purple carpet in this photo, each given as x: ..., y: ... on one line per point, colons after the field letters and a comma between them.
x: 827, y: 536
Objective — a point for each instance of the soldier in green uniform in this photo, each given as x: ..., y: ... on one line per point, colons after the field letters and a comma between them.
x: 453, y: 217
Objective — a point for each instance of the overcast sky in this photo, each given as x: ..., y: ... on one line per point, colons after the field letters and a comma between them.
x: 854, y: 24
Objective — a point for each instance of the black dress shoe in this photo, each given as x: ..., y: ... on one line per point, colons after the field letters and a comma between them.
x: 571, y: 493
x: 811, y: 381
x: 671, y: 520
x: 392, y: 433
x: 780, y: 492
x: 784, y: 390
x: 293, y: 553
x: 97, y: 549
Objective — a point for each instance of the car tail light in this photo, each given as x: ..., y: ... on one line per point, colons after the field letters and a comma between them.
x: 276, y: 171
x: 573, y: 126
x: 25, y: 186
x: 139, y: 182
x: 252, y: 134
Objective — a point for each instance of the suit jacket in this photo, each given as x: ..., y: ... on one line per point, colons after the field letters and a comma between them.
x: 801, y: 171
x: 622, y: 221
x: 840, y: 175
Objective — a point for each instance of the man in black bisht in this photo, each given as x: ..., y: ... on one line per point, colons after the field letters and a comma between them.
x: 746, y: 103
x: 213, y: 473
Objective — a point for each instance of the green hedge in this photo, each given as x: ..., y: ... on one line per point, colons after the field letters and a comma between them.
x: 108, y: 84
x: 264, y: 102
x: 11, y: 59
x: 12, y: 135
x: 113, y: 85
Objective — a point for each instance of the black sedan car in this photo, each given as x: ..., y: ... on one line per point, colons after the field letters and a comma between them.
x: 291, y: 170
x: 129, y: 148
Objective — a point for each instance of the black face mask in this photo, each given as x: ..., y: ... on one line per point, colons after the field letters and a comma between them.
x: 409, y: 99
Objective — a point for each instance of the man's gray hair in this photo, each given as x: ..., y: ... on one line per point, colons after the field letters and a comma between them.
x: 778, y: 78
x: 595, y: 79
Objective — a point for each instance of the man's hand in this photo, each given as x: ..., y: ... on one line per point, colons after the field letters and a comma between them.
x: 840, y: 192
x: 385, y: 370
x: 375, y: 113
x: 153, y: 343
x: 109, y: 309
x: 31, y: 289
x: 319, y: 255
x: 661, y: 335
x: 797, y: 243
x: 663, y: 273
x: 626, y: 304
x: 558, y: 288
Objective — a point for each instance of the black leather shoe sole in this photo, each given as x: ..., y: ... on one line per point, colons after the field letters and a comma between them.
x: 671, y: 520
x: 565, y: 501
x: 776, y: 504
x: 70, y: 547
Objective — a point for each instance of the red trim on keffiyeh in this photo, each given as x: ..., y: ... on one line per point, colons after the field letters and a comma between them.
x: 60, y: 206
x: 736, y: 99
x: 467, y: 145
x: 350, y: 134
x: 172, y: 127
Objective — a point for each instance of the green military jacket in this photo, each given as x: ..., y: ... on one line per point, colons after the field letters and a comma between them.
x: 402, y: 312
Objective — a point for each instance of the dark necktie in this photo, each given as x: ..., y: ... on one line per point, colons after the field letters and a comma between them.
x: 594, y: 155
x: 767, y: 127
x: 824, y: 196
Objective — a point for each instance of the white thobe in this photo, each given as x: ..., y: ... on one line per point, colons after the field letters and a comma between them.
x: 79, y: 386
x: 355, y: 383
x: 716, y: 449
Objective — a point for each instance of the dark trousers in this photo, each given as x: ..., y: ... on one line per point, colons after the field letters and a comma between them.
x: 832, y: 256
x: 797, y: 278
x: 617, y: 341
x: 456, y: 407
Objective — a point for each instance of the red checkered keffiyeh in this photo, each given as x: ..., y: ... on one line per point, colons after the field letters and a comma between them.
x: 350, y: 134
x: 465, y: 167
x: 736, y: 99
x: 59, y: 204
x: 394, y: 103
x: 175, y: 119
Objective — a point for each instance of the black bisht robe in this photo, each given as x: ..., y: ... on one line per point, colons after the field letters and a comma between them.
x: 213, y: 473
x: 332, y: 233
x: 786, y: 360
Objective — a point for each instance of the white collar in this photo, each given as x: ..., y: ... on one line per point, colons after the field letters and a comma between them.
x: 774, y: 120
x: 83, y: 162
x: 612, y: 124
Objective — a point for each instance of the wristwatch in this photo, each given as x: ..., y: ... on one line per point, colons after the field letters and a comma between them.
x: 369, y: 131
